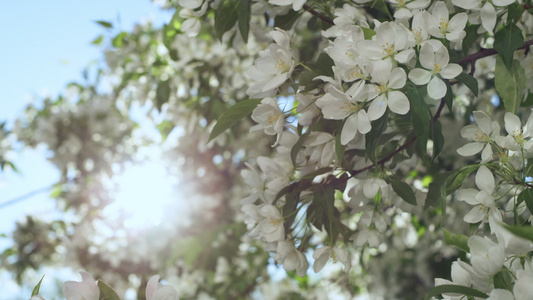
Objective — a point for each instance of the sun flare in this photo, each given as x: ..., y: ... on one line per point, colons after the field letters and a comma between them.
x: 144, y: 194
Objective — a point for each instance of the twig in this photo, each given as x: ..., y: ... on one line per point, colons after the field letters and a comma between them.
x: 316, y: 13
x: 471, y: 58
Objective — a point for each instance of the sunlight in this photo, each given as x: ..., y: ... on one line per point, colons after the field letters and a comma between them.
x: 144, y: 195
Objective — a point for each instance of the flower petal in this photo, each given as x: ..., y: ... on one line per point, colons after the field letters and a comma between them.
x: 436, y: 88
x: 419, y: 76
x: 398, y: 102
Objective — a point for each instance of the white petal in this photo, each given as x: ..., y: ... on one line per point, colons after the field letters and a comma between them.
x: 483, y: 121
x: 512, y: 124
x: 398, y: 102
x: 397, y: 78
x: 476, y: 214
x: 427, y: 56
x: 451, y: 71
x: 419, y: 76
x: 436, y: 88
x: 470, y: 149
x: 363, y: 122
x: 377, y: 108
x: 349, y: 129
x: 488, y: 17
x: 485, y: 180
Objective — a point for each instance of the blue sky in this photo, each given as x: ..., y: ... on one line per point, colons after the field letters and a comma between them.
x: 45, y: 45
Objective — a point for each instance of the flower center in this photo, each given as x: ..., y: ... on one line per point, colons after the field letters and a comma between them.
x: 443, y: 24
x: 388, y: 49
x: 437, y: 68
x: 282, y: 65
x: 272, y: 118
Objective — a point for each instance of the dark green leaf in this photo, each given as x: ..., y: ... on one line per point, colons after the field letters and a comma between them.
x: 514, y: 12
x: 510, y: 84
x: 506, y: 41
x: 37, y: 287
x: 162, y: 94
x: 244, y: 19
x: 437, y: 137
x: 458, y: 240
x: 527, y: 196
x: 470, y: 82
x: 448, y: 98
x: 296, y: 148
x: 286, y: 21
x: 471, y: 37
x: 436, y: 190
x: 324, y: 65
x: 403, y: 190
x: 459, y: 289
x: 525, y: 232
x: 104, y: 24
x: 226, y: 15
x: 339, y: 149
x: 458, y: 176
x: 106, y: 292
x: 420, y: 119
x: 291, y: 203
x: 378, y: 127
x: 233, y: 115
x: 503, y: 280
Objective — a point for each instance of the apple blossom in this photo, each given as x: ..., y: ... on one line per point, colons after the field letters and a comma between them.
x: 434, y: 57
x: 481, y: 134
x: 273, y: 67
x: 487, y: 256
x: 291, y: 258
x: 84, y: 290
x: 386, y: 92
x: 156, y: 291
x: 518, y: 136
x: 440, y: 26
x: 323, y: 254
x: 482, y: 199
x: 390, y: 43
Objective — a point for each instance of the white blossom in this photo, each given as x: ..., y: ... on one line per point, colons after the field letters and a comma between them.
x: 84, y: 290
x: 156, y: 291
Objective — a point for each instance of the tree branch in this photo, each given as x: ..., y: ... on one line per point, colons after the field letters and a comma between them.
x: 316, y: 13
x: 471, y: 58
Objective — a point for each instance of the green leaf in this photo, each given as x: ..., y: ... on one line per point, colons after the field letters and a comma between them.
x: 503, y: 280
x: 527, y: 196
x: 162, y: 94
x: 525, y: 232
x: 458, y: 240
x: 286, y: 21
x: 510, y: 84
x: 106, y: 292
x: 226, y: 15
x: 324, y: 65
x: 458, y: 176
x: 420, y: 119
x: 296, y: 148
x: 98, y: 40
x: 471, y: 37
x: 459, y: 289
x: 118, y: 41
x: 437, y: 137
x: 448, y: 98
x: 37, y: 287
x: 165, y: 128
x: 436, y: 190
x: 470, y: 82
x: 514, y: 12
x: 233, y: 115
x: 368, y: 33
x: 403, y: 190
x: 244, y: 19
x: 506, y: 41
x: 104, y: 24
x: 339, y: 149
x: 378, y: 127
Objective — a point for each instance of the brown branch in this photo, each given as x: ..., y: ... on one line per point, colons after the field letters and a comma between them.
x: 316, y: 13
x: 471, y: 58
